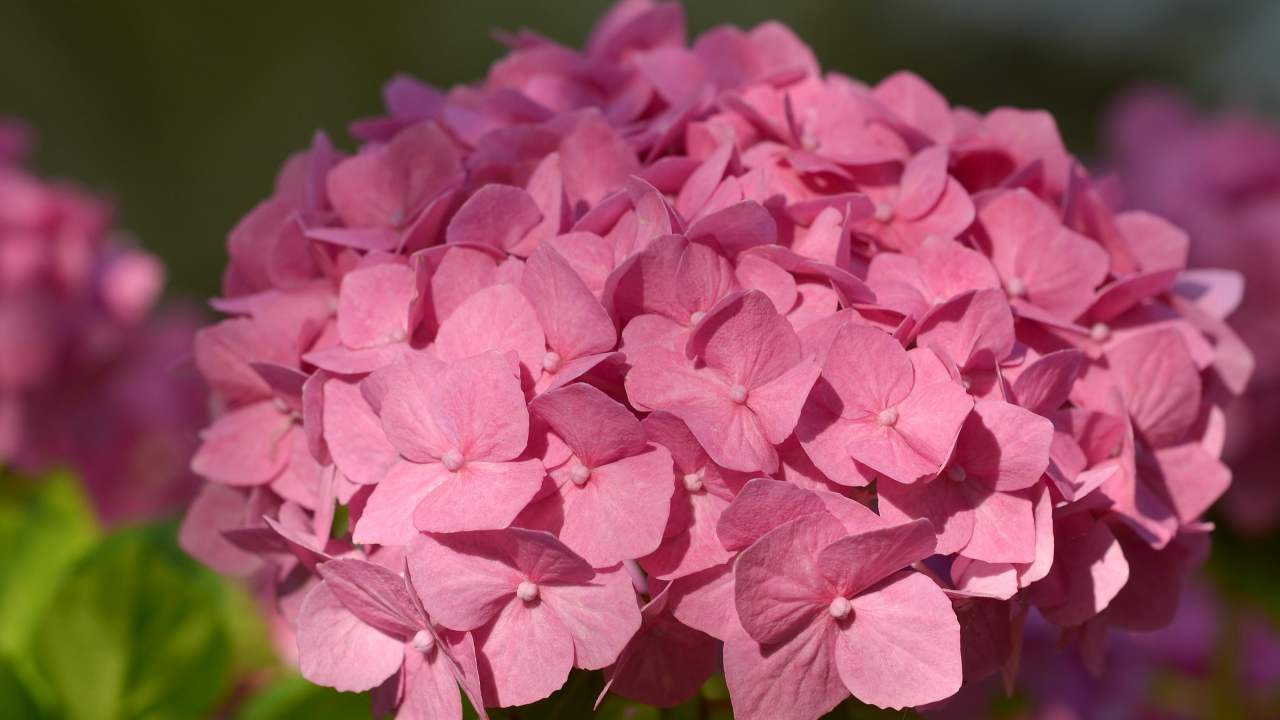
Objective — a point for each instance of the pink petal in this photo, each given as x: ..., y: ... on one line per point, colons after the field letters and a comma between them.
x: 596, y: 427
x: 778, y: 583
x: 474, y: 408
x: 618, y: 514
x: 374, y: 594
x: 797, y: 678
x: 430, y: 687
x: 573, y: 320
x: 525, y: 654
x: 736, y: 228
x: 947, y: 505
x: 852, y: 564
x: 1003, y: 446
x: 496, y: 318
x: 1003, y: 529
x: 974, y: 329
x: 497, y: 215
x: 1161, y: 387
x: 1045, y: 384
x: 383, y: 187
x: 902, y: 647
x: 923, y: 180
x: 600, y: 617
x: 464, y: 579
x: 247, y: 446
x: 354, y: 434
x: 387, y: 518
x: 480, y: 496
x: 700, y: 601
x: 373, y: 305
x: 337, y: 649
x: 746, y: 339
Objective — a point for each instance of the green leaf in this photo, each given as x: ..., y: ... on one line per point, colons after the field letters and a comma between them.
x: 46, y: 526
x: 293, y: 697
x: 15, y: 700
x: 135, y: 632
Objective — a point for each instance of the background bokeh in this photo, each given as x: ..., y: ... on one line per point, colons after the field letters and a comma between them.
x: 181, y: 112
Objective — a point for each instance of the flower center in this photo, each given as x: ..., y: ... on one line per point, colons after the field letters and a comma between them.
x: 696, y: 317
x: 738, y: 394
x: 1016, y: 287
x: 452, y: 460
x: 280, y: 405
x: 1100, y: 332
x: 693, y: 481
x: 551, y: 361
x: 840, y: 608
x: 888, y: 417
x: 423, y: 642
x: 884, y: 212
x: 579, y: 474
x: 527, y: 591
x: 966, y: 382
x: 957, y: 473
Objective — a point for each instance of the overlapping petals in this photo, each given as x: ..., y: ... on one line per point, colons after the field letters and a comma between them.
x: 664, y: 358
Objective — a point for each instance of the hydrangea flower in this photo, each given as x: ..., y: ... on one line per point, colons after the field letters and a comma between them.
x: 90, y: 370
x: 664, y: 357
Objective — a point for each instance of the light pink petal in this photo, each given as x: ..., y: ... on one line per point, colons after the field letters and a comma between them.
x: 338, y: 650
x: 619, y: 513
x: 736, y: 228
x: 573, y: 320
x: 601, y: 616
x: 921, y: 440
x: 430, y: 687
x: 497, y: 215
x: 1192, y: 479
x: 745, y: 338
x: 1161, y: 387
x: 797, y: 678
x: 700, y: 601
x: 923, y: 180
x: 474, y: 408
x: 1003, y: 529
x: 665, y: 664
x: 479, y: 496
x: 945, y: 504
x: 247, y: 446
x: 525, y: 654
x: 902, y: 647
x: 948, y: 268
x: 376, y: 595
x: 594, y: 158
x: 778, y: 583
x: 496, y: 318
x: 464, y: 579
x: 1003, y: 446
x: 974, y: 329
x: 852, y: 564
x: 1057, y: 268
x: 217, y: 508
x: 383, y: 187
x: 373, y: 305
x: 354, y: 434
x: 757, y: 273
x: 597, y: 428
x: 387, y: 518
x: 1046, y: 383
x: 1156, y: 243
x: 868, y: 370
x: 1089, y: 569
x: 777, y: 404
x: 665, y: 380
x: 703, y: 278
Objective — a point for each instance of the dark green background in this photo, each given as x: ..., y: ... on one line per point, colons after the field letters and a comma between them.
x: 183, y: 110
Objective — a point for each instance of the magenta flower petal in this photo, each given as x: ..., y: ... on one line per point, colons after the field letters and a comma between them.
x: 337, y: 649
x: 902, y: 647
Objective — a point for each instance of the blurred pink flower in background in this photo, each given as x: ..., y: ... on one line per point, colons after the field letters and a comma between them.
x: 89, y: 371
x: 1218, y: 177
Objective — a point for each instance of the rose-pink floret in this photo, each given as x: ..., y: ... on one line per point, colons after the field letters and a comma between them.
x: 666, y: 357
x: 90, y: 369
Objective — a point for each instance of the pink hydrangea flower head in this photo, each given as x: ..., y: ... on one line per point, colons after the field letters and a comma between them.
x: 91, y: 370
x: 671, y: 355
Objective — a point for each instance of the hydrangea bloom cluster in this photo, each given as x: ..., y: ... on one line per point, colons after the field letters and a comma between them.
x: 86, y: 366
x: 1219, y: 177
x: 666, y: 358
